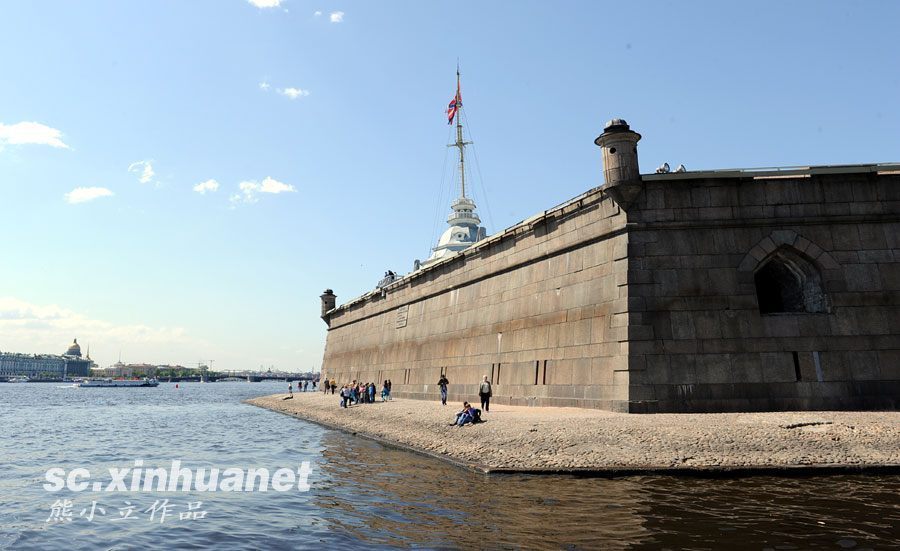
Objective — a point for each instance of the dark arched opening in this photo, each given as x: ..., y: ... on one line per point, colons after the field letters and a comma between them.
x: 789, y: 283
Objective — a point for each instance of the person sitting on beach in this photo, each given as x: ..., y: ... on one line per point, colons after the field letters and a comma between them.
x: 467, y: 415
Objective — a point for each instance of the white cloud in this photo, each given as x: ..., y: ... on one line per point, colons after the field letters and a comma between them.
x: 249, y: 190
x: 35, y: 133
x: 85, y: 194
x: 145, y: 168
x: 263, y: 4
x: 271, y: 185
x: 293, y: 93
x: 36, y: 328
x: 337, y: 17
x: 264, y: 86
x: 209, y: 185
x: 318, y: 13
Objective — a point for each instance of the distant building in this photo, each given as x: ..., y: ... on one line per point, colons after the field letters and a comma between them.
x: 45, y: 366
x: 124, y: 370
x: 120, y: 369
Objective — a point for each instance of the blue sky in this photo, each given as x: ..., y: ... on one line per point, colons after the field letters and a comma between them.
x: 322, y: 127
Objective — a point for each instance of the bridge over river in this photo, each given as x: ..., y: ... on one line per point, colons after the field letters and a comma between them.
x: 250, y: 376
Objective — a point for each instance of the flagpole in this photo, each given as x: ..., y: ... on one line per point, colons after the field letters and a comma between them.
x: 459, y: 138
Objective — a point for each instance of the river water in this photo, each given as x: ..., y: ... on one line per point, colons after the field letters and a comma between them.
x: 363, y: 493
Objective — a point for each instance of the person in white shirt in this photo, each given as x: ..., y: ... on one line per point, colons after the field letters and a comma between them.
x: 484, y: 391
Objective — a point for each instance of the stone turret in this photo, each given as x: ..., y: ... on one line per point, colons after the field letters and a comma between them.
x: 620, y: 162
x: 329, y: 299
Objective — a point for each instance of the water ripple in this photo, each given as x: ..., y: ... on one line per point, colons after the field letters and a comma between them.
x: 363, y: 492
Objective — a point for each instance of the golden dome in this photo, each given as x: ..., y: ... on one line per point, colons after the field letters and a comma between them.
x: 74, y: 349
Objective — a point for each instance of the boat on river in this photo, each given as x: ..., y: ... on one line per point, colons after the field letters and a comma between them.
x: 90, y: 383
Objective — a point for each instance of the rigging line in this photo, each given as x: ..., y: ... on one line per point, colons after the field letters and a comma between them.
x: 440, y: 199
x: 487, y: 204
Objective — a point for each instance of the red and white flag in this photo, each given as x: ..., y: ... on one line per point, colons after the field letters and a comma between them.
x: 455, y: 103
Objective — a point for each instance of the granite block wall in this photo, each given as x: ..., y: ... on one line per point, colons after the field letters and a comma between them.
x: 541, y: 310
x: 696, y: 249
x: 708, y: 293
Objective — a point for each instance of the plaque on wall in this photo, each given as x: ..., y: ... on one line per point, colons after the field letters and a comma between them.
x: 402, y: 314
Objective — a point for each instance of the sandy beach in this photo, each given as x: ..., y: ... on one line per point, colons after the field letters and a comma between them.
x: 518, y: 439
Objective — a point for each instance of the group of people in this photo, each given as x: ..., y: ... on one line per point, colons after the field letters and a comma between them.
x: 359, y: 392
x: 364, y: 393
x: 302, y: 386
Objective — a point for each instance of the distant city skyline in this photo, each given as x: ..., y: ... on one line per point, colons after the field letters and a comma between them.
x: 181, y: 180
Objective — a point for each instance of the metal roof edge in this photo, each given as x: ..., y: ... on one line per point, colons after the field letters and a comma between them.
x: 774, y: 171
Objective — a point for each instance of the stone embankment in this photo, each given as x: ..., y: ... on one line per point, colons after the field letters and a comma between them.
x: 523, y: 439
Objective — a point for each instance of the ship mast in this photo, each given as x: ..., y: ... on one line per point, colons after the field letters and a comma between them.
x: 460, y: 143
x: 464, y: 224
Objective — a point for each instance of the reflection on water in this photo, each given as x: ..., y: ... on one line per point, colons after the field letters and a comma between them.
x: 393, y: 497
x: 398, y: 498
x: 363, y: 492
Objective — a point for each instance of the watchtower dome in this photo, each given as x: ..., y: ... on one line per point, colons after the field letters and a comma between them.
x: 329, y: 299
x: 620, y: 161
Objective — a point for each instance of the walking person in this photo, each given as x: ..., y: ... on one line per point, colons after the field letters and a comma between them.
x: 291, y: 390
x: 389, y: 385
x: 333, y: 385
x: 443, y: 382
x: 484, y: 391
x: 326, y: 386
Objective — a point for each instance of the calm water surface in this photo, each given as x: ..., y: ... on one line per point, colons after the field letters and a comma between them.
x: 363, y: 493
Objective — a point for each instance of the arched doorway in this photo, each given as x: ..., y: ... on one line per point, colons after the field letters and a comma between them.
x: 788, y: 282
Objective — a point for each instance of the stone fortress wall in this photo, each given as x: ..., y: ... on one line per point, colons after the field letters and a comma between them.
x: 706, y: 253
x: 709, y: 291
x: 539, y: 309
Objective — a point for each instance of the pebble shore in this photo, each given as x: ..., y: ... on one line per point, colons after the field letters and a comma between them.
x: 527, y: 439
